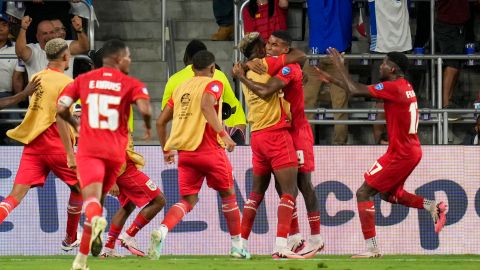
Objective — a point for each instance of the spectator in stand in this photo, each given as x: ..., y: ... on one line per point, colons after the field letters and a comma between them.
x: 452, y: 15
x: 330, y: 24
x: 11, y: 75
x: 389, y: 32
x: 265, y: 17
x: 473, y: 135
x: 223, y: 12
x: 34, y: 55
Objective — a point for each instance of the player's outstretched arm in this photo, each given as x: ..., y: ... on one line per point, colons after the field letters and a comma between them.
x: 260, y: 89
x: 162, y: 121
x: 146, y: 110
x: 209, y: 112
x: 295, y: 56
x: 354, y: 88
x: 29, y: 90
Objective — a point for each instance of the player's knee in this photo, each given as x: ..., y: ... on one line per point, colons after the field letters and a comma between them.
x: 160, y: 200
x: 362, y: 194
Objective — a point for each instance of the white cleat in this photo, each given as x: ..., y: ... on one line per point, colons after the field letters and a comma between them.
x: 98, y: 224
x: 312, y: 247
x: 130, y: 243
x: 371, y: 254
x: 110, y: 253
x: 286, y: 253
x: 156, y: 244
x: 79, y: 263
x: 295, y: 242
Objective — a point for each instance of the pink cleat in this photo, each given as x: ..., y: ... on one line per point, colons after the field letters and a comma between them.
x: 439, y: 216
x: 312, y: 248
x: 131, y: 244
x: 295, y: 243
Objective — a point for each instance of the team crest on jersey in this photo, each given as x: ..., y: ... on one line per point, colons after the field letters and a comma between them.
x: 379, y: 86
x: 285, y: 71
x: 145, y: 90
x: 151, y: 185
x: 215, y: 88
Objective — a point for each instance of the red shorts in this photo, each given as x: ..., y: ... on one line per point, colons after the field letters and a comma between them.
x: 303, y: 142
x: 272, y: 150
x: 97, y: 170
x: 193, y: 167
x: 34, y: 169
x: 389, y: 172
x: 136, y: 187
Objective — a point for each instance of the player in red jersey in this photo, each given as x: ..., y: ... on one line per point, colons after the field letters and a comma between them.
x: 195, y: 110
x: 106, y: 94
x: 43, y: 133
x: 289, y: 78
x: 389, y: 173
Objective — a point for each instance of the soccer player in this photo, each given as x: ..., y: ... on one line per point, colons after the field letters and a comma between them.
x: 44, y: 134
x: 389, y: 173
x: 195, y: 108
x: 236, y: 121
x: 133, y: 189
x: 106, y: 94
x: 289, y: 78
x: 272, y: 149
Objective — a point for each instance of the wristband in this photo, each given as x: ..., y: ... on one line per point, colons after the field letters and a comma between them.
x: 222, y: 133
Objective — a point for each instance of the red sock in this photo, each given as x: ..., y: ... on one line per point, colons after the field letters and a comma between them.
x: 139, y: 222
x: 366, y: 212
x: 232, y: 214
x: 249, y: 213
x: 314, y: 221
x: 294, y: 227
x: 176, y: 213
x: 113, y: 234
x: 92, y: 209
x: 74, y: 211
x: 409, y: 199
x: 6, y: 207
x: 285, y: 210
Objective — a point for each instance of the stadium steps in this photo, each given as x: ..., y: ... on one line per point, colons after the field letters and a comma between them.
x: 138, y: 23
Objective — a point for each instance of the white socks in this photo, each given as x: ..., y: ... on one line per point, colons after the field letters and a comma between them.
x: 429, y: 205
x: 372, y: 244
x: 237, y: 241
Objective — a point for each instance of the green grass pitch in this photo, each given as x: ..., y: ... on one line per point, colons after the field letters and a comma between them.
x: 410, y: 262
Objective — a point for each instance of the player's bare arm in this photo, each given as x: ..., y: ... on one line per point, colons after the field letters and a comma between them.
x: 28, y: 91
x: 295, y: 56
x: 354, y: 88
x: 64, y: 132
x: 146, y: 110
x: 260, y: 89
x: 21, y: 49
x: 162, y: 121
x: 209, y: 112
x: 63, y: 110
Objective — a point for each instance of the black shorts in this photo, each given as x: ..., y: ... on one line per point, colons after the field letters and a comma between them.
x: 450, y: 39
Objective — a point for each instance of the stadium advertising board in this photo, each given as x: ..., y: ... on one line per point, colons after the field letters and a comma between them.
x: 449, y: 173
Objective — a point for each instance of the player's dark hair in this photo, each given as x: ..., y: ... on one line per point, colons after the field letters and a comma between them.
x: 203, y: 59
x: 400, y: 59
x: 283, y: 35
x: 112, y: 47
x: 192, y: 48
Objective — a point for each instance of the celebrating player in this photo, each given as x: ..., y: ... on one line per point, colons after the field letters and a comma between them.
x: 272, y: 148
x: 195, y: 108
x: 289, y: 78
x: 44, y: 134
x: 106, y: 94
x: 389, y: 173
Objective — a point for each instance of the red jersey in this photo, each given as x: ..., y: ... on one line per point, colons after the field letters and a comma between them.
x: 47, y: 142
x: 209, y: 141
x: 401, y: 114
x: 292, y: 76
x: 264, y: 24
x: 106, y: 95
